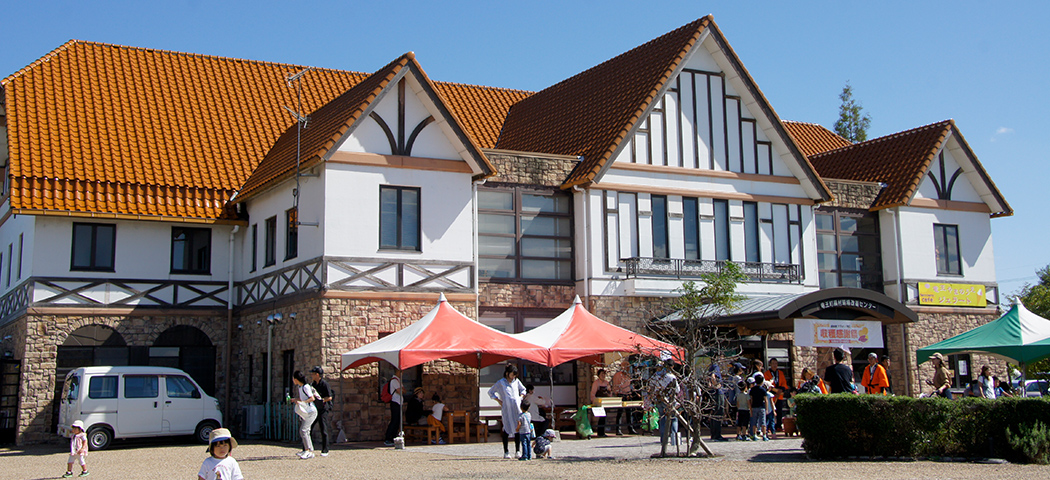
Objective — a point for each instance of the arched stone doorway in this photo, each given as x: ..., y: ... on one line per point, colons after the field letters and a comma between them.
x: 187, y: 348
x: 86, y: 346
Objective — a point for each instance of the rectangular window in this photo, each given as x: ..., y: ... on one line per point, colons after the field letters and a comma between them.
x: 751, y: 232
x: 399, y: 216
x: 291, y: 236
x: 191, y: 250
x: 102, y: 387
x: 271, y: 241
x: 93, y: 246
x: 659, y: 207
x: 848, y: 249
x: 20, y: 245
x: 691, y: 226
x: 141, y: 386
x: 524, y: 234
x: 946, y: 242
x: 721, y: 229
x: 255, y: 246
x: 11, y: 259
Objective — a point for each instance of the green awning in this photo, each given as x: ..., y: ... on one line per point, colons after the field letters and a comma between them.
x: 1019, y: 336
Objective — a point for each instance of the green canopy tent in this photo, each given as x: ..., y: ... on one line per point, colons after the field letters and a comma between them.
x: 1018, y: 336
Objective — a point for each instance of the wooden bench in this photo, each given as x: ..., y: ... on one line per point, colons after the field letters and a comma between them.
x: 423, y: 433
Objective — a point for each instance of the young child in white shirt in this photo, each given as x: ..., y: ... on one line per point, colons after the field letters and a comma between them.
x: 220, y: 465
x: 78, y: 448
x: 434, y: 419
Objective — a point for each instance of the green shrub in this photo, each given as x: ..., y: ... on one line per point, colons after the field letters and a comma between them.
x: 1032, y: 441
x: 845, y: 425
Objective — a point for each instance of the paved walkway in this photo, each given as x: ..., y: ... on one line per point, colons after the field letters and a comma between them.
x: 632, y: 447
x: 599, y: 459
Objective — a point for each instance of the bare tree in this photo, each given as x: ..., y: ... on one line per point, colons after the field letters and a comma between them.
x: 691, y: 328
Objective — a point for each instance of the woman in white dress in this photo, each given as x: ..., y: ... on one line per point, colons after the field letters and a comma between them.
x: 508, y: 392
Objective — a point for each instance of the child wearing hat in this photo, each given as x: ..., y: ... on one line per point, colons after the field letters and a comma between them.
x: 220, y: 465
x: 78, y: 448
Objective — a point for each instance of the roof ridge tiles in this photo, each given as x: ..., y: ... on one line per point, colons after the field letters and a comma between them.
x: 886, y: 138
x: 73, y: 42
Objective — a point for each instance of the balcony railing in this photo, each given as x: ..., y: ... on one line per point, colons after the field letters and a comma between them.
x: 756, y: 272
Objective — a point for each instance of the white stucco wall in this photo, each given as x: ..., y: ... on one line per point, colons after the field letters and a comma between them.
x: 962, y: 190
x: 143, y: 249
x: 275, y: 202
x: 352, y: 224
x: 918, y: 250
x: 14, y: 227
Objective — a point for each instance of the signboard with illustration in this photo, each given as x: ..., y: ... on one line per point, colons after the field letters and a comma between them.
x: 951, y: 294
x: 819, y: 332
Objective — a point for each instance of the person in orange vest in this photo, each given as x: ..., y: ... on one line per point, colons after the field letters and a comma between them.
x: 780, y: 385
x: 874, y: 379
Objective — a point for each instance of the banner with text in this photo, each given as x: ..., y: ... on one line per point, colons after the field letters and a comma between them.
x: 952, y: 294
x: 819, y: 332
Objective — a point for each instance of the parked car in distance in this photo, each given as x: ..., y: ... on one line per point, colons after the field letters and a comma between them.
x: 135, y: 402
x: 1036, y: 388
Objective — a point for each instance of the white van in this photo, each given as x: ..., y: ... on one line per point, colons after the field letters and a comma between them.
x: 129, y: 402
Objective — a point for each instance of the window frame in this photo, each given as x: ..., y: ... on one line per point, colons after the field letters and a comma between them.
x: 837, y: 214
x: 255, y: 247
x: 190, y: 248
x: 399, y: 224
x: 518, y: 213
x: 940, y: 233
x: 721, y: 206
x: 270, y: 248
x: 691, y: 226
x: 93, y: 246
x: 660, y: 223
x: 291, y: 233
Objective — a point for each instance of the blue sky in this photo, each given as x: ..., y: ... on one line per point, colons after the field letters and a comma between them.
x: 910, y: 63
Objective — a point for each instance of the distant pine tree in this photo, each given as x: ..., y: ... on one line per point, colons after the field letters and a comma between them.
x: 852, y: 123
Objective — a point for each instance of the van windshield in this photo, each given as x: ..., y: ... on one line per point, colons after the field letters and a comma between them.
x: 71, y: 390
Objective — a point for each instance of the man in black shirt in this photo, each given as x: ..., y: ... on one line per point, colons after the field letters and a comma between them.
x: 324, y: 406
x: 839, y: 377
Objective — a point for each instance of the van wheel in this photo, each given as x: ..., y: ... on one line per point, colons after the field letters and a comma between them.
x: 99, y: 438
x: 203, y: 433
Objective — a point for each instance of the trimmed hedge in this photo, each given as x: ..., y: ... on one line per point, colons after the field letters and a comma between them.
x: 845, y: 425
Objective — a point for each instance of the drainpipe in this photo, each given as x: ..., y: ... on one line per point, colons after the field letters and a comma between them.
x: 229, y: 327
x: 896, y: 212
x: 474, y: 230
x: 586, y: 244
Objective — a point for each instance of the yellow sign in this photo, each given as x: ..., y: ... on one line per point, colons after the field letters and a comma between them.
x: 951, y: 294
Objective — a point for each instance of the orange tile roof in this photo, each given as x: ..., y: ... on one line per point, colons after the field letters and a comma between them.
x: 813, y: 139
x: 589, y: 114
x: 900, y: 161
x: 99, y: 128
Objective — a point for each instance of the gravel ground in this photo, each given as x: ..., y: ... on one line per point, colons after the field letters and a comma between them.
x: 608, y: 458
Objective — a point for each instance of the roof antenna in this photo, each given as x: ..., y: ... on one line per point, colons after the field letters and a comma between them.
x: 301, y: 123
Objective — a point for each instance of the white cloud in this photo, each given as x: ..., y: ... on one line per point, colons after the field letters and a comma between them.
x: 1000, y: 132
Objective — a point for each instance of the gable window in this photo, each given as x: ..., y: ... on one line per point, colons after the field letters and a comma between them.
x: 399, y: 218
x: 946, y: 243
x: 271, y: 241
x: 691, y: 228
x: 721, y: 229
x: 291, y: 235
x: 191, y: 250
x: 524, y: 234
x: 660, y: 247
x: 255, y: 246
x: 94, y: 246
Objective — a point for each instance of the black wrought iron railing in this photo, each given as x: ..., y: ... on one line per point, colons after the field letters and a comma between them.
x: 757, y: 272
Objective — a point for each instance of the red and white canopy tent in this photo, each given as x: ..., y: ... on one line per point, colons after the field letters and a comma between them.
x: 577, y: 334
x: 444, y: 333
